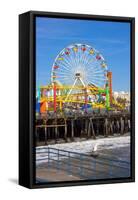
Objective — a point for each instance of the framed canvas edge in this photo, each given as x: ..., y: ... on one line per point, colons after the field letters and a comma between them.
x: 24, y: 133
x: 32, y: 15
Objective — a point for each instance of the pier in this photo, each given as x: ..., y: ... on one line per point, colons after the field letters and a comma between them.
x: 89, y: 126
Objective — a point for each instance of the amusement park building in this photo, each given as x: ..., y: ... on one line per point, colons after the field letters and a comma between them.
x: 122, y: 94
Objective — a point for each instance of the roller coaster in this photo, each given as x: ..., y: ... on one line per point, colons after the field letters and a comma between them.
x: 80, y: 80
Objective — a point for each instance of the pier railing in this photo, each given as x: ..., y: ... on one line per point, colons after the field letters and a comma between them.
x: 81, y: 165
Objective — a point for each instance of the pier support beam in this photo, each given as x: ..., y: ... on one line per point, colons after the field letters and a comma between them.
x: 45, y: 135
x: 97, y: 126
x: 122, y: 125
x: 106, y: 127
x: 65, y: 135
x: 72, y: 130
x: 111, y: 127
x: 91, y: 131
x: 126, y: 128
x: 92, y: 128
x: 86, y: 127
x: 56, y: 130
x: 117, y: 127
x: 129, y: 125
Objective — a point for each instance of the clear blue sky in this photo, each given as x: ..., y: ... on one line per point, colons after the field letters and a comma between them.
x: 112, y: 39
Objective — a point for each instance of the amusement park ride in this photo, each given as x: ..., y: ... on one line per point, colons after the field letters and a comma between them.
x: 80, y: 80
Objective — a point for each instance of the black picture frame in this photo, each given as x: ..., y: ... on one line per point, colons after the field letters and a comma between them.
x: 27, y: 97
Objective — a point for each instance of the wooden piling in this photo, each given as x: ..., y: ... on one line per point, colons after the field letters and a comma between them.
x: 122, y: 125
x: 129, y: 126
x: 65, y: 135
x: 86, y: 126
x: 45, y: 135
x: 72, y: 129
x: 97, y: 126
x: 89, y: 130
x: 111, y: 127
x: 56, y: 131
x: 117, y: 127
x: 126, y: 125
x: 106, y: 127
x: 92, y: 129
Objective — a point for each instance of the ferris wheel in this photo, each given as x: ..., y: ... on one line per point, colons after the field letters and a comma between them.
x: 79, y: 64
